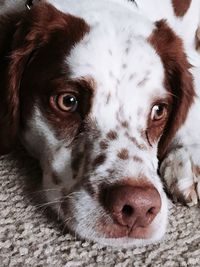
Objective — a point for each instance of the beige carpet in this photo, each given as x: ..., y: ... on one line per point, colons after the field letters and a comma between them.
x: 28, y: 238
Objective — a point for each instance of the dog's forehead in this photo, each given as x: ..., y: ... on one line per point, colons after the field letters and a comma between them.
x: 126, y: 69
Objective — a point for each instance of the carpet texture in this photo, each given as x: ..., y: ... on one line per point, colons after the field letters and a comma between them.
x: 28, y: 238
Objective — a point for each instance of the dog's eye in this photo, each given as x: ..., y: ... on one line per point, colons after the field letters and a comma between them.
x: 66, y: 102
x: 158, y: 112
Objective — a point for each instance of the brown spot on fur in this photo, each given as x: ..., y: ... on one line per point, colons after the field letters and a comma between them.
x: 143, y: 82
x: 108, y: 98
x: 99, y: 160
x: 181, y: 7
x: 55, y: 179
x: 112, y: 135
x: 132, y: 76
x: 135, y: 142
x: 103, y: 144
x: 137, y: 159
x: 125, y: 124
x: 89, y: 187
x: 178, y: 80
x: 127, y: 50
x: 123, y: 154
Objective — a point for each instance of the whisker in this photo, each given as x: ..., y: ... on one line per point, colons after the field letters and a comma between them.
x: 48, y: 203
x: 41, y: 191
x: 59, y: 211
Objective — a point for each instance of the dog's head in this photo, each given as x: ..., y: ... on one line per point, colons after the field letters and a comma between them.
x: 97, y: 101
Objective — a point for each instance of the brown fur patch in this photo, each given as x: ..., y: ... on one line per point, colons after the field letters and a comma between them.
x: 89, y: 187
x: 112, y: 135
x: 125, y: 124
x: 178, y: 80
x: 143, y: 82
x: 108, y: 98
x: 99, y: 160
x: 103, y: 144
x: 9, y: 112
x: 181, y: 7
x: 135, y: 142
x: 123, y: 154
x: 137, y: 159
x: 132, y: 76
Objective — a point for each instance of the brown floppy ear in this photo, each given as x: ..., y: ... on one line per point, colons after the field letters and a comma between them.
x: 178, y: 80
x: 22, y: 35
x: 9, y: 108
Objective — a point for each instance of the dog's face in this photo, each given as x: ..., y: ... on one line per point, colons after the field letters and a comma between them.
x: 97, y: 105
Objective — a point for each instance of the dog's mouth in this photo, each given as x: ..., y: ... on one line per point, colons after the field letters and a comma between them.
x: 115, y: 230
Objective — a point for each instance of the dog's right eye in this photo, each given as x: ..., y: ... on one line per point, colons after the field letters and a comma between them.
x: 65, y: 102
x: 158, y: 112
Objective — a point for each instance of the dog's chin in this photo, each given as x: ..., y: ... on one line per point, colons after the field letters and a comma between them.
x: 151, y: 235
x: 127, y: 241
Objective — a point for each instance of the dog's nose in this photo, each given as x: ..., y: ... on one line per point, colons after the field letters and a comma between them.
x: 132, y: 206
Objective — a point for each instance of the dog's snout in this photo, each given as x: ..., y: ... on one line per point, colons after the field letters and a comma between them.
x: 132, y: 206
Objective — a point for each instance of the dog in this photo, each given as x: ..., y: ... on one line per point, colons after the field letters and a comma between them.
x: 103, y: 94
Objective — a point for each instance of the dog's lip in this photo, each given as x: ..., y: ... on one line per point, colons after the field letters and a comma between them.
x: 141, y: 232
x: 117, y: 231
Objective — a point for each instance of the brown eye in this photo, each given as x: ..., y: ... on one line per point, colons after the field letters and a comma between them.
x: 158, y: 112
x: 66, y: 102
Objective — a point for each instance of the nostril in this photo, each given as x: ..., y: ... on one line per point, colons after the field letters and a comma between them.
x: 150, y: 214
x: 127, y: 211
x: 151, y: 211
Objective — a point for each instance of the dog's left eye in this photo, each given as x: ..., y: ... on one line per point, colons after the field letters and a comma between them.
x: 66, y: 102
x: 158, y: 112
